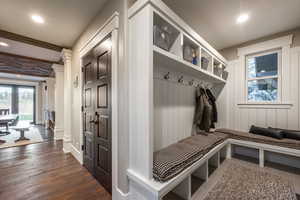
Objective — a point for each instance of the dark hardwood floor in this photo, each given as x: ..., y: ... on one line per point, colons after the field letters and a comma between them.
x: 46, y: 134
x: 43, y: 172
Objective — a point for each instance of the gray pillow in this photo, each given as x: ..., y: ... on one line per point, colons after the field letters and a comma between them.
x: 291, y: 134
x: 266, y: 132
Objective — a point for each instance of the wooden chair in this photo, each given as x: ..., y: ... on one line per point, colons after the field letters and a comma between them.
x: 4, y: 111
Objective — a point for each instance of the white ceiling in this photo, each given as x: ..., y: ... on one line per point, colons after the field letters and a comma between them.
x: 65, y: 20
x: 27, y: 50
x: 215, y: 20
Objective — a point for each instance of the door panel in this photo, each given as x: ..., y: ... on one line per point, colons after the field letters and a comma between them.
x: 102, y: 67
x: 88, y: 114
x: 102, y: 96
x: 88, y: 97
x: 97, y: 112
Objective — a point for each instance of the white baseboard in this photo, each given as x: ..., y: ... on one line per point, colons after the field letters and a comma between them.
x: 76, y: 153
x: 121, y: 195
x: 58, y: 133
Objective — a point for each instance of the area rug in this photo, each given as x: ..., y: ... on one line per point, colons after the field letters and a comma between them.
x: 33, y: 134
x: 243, y: 181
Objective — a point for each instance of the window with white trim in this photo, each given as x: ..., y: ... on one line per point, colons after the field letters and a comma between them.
x: 263, y: 76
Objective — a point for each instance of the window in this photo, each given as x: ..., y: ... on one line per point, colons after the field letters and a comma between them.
x: 263, y: 76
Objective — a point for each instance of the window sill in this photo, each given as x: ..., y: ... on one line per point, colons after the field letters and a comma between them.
x: 266, y: 105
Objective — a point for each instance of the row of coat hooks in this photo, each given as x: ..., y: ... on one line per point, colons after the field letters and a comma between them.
x: 191, y: 82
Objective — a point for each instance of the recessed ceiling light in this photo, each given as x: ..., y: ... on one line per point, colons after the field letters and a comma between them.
x: 3, y: 44
x: 242, y: 18
x: 37, y: 19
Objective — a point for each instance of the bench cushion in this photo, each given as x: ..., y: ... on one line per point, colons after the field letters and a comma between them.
x: 240, y: 135
x: 170, y: 161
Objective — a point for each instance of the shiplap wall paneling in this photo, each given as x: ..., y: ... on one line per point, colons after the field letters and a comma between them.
x: 174, y: 107
x: 294, y: 90
x: 241, y: 118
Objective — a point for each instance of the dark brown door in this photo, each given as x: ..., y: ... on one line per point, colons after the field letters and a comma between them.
x: 97, y: 112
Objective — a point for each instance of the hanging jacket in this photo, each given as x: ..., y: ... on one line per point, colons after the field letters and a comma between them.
x: 199, y: 107
x: 203, y: 111
x: 207, y: 116
x: 212, y: 101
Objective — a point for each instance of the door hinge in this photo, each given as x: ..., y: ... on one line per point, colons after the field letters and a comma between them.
x: 82, y: 147
x: 82, y: 70
x: 81, y: 108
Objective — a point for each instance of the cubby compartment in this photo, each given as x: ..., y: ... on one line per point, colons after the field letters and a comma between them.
x: 218, y: 68
x: 225, y: 74
x: 190, y: 51
x: 199, y: 177
x: 282, y: 162
x: 213, y: 163
x: 245, y: 153
x: 166, y: 36
x: 181, y: 191
x: 223, y: 154
x: 206, y: 60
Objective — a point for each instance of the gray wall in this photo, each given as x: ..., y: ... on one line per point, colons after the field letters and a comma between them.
x: 230, y: 53
x: 109, y: 8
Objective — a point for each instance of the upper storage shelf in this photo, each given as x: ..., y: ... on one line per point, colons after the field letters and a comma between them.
x: 176, y: 48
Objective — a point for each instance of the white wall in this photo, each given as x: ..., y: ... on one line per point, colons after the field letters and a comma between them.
x: 234, y: 117
x: 174, y: 107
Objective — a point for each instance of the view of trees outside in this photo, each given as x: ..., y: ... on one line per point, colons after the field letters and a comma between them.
x: 5, y: 98
x: 25, y: 99
x: 26, y: 102
x: 260, y: 89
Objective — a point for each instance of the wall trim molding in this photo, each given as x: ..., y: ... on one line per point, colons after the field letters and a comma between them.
x: 267, y: 45
x: 284, y: 43
x: 109, y: 25
x: 266, y: 105
x: 76, y: 154
x: 121, y: 195
x: 58, y: 133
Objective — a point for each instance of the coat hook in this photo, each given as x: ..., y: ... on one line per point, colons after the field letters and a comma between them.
x: 191, y: 82
x: 180, y: 80
x: 167, y: 76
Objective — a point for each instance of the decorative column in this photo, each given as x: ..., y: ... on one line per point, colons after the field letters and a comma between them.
x: 59, y: 98
x: 67, y: 58
x: 50, y: 101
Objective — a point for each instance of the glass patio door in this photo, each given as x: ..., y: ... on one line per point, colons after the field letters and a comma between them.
x: 26, y: 104
x: 6, y: 98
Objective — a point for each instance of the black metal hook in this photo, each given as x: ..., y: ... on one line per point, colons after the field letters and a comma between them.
x: 167, y: 76
x: 191, y: 82
x: 180, y: 80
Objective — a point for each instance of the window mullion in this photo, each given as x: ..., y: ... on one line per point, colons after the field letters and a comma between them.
x: 262, y: 78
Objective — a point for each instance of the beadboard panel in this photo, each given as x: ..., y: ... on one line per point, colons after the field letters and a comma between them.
x: 174, y: 107
x: 241, y: 118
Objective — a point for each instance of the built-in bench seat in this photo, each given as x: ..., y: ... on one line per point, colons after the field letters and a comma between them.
x: 175, y: 165
x: 172, y: 160
x: 240, y: 135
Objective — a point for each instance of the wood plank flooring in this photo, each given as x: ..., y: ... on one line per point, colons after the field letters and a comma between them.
x: 42, y: 171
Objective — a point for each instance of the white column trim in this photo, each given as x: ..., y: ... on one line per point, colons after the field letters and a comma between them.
x: 67, y: 139
x: 59, y: 111
x: 109, y: 27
